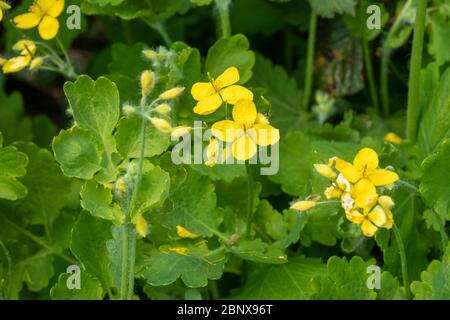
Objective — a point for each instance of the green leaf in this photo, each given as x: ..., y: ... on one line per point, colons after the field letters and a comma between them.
x: 97, y: 199
x: 90, y: 288
x: 328, y: 8
x: 434, y: 185
x: 357, y: 24
x: 390, y: 288
x: 289, y: 281
x: 12, y: 165
x: 194, y: 206
x: 258, y: 251
x: 435, y: 284
x: 78, y: 153
x: 128, y: 138
x: 89, y: 238
x: 195, y: 268
x: 229, y: 52
x: 282, y: 92
x: 106, y: 2
x: 37, y: 271
x: 48, y: 188
x: 14, y: 124
x: 345, y: 280
x: 440, y: 33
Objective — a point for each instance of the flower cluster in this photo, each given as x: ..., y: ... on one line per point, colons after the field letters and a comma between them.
x: 245, y: 131
x: 27, y: 50
x: 355, y: 185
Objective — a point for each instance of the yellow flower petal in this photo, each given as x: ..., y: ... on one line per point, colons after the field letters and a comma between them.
x: 16, y: 64
x: 26, y: 47
x: 303, y: 205
x: 233, y: 94
x: 386, y: 202
x: 184, y: 233
x: 381, y: 177
x: 366, y: 160
x: 368, y: 228
x: 208, y: 105
x: 377, y: 216
x: 201, y: 90
x: 227, y: 130
x: 392, y: 138
x: 1, y: 15
x: 141, y: 226
x: 244, y: 113
x: 332, y: 192
x: 354, y: 216
x: 363, y: 192
x: 264, y: 134
x: 244, y: 148
x: 390, y: 219
x: 348, y: 170
x: 27, y: 20
x: 227, y: 78
x: 48, y: 28
x: 56, y: 8
x: 260, y: 118
x: 36, y: 63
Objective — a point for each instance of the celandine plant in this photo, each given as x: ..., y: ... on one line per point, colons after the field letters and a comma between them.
x: 161, y: 171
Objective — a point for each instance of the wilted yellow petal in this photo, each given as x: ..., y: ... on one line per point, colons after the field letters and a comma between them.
x: 180, y: 250
x: 227, y: 78
x: 392, y: 138
x: 233, y: 94
x: 264, y: 134
x: 355, y: 216
x: 208, y: 105
x: 201, y: 90
x: 26, y: 47
x: 381, y: 177
x: 27, y: 20
x: 378, y: 216
x: 184, y: 233
x: 48, y: 28
x: 16, y: 64
x: 366, y: 160
x: 348, y: 170
x: 227, y: 130
x: 244, y: 148
x: 325, y: 171
x: 303, y: 205
x: 244, y: 113
x: 368, y: 228
x: 332, y: 192
x: 363, y: 192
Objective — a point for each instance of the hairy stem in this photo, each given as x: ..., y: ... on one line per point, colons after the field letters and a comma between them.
x: 250, y: 193
x: 414, y: 76
x: 404, y: 266
x: 223, y: 6
x: 310, y: 61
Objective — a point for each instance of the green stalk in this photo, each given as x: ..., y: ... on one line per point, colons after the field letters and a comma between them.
x: 385, y: 59
x: 370, y: 77
x: 159, y: 27
x: 223, y: 6
x: 250, y: 193
x: 125, y: 260
x: 307, y: 92
x: 443, y: 233
x: 414, y: 76
x: 401, y: 249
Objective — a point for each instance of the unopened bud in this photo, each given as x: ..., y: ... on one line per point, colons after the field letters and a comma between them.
x: 303, y: 205
x: 180, y: 250
x: 386, y: 202
x: 163, y: 108
x: 147, y: 82
x: 36, y: 63
x: 141, y: 226
x: 171, y: 93
x: 127, y: 109
x: 325, y: 171
x: 161, y: 124
x: 150, y: 54
x: 180, y: 131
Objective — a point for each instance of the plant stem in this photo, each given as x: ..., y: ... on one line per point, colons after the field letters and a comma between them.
x: 370, y: 76
x: 125, y: 259
x: 414, y: 76
x: 214, y: 289
x: 401, y: 248
x: 310, y: 60
x: 443, y: 233
x: 158, y: 26
x: 223, y: 6
x: 250, y: 193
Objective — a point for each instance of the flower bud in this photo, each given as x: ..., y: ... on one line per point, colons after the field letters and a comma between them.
x: 303, y: 205
x: 161, y: 124
x: 180, y: 250
x: 150, y: 54
x: 186, y: 234
x: 163, y: 108
x: 4, y: 5
x: 212, y: 153
x: 127, y: 109
x: 36, y: 63
x: 141, y: 226
x: 180, y: 131
x: 392, y: 138
x: 121, y: 186
x: 147, y: 82
x: 171, y: 93
x: 386, y: 202
x: 325, y: 171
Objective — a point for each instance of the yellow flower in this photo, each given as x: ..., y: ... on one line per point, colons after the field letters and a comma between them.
x: 392, y: 138
x: 243, y: 132
x: 27, y: 49
x: 211, y: 95
x: 303, y: 205
x: 42, y: 13
x: 365, y: 175
x: 3, y: 6
x: 186, y: 234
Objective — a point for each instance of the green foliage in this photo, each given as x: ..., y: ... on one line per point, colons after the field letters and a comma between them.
x: 328, y: 8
